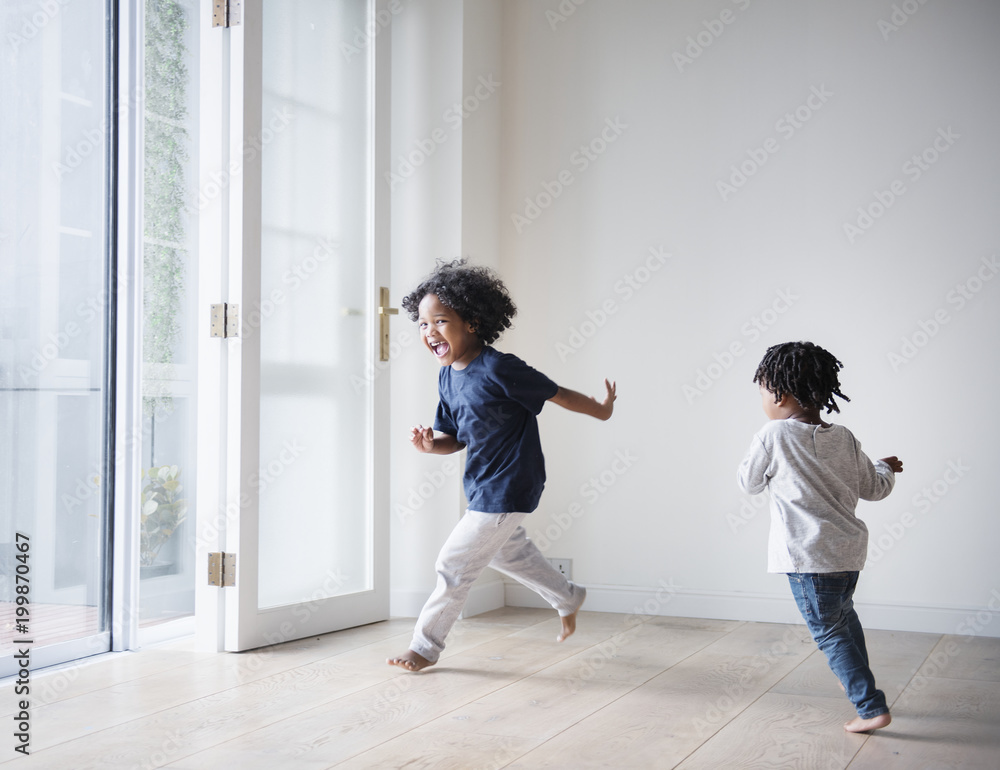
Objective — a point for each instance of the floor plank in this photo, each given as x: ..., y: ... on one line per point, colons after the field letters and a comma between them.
x: 625, y: 691
x: 791, y: 732
x: 661, y: 722
x: 964, y: 657
x: 937, y: 723
x: 256, y: 700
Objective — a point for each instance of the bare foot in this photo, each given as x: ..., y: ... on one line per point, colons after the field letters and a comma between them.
x: 859, y: 725
x: 568, y: 627
x: 410, y: 660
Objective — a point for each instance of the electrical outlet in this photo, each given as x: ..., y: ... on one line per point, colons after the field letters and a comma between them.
x: 564, y: 566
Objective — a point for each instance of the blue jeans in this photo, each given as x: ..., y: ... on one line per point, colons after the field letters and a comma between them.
x: 826, y: 602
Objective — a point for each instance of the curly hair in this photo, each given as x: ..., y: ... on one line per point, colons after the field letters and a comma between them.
x: 476, y: 293
x: 803, y: 370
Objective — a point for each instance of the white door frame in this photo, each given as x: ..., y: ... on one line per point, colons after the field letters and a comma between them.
x: 128, y: 374
x: 228, y: 370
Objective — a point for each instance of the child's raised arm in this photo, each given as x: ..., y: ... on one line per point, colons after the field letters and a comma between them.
x: 577, y: 402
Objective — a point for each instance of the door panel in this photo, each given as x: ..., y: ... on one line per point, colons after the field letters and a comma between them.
x: 315, y: 427
x: 54, y: 333
x: 305, y: 426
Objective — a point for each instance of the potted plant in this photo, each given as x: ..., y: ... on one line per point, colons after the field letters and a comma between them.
x: 162, y: 512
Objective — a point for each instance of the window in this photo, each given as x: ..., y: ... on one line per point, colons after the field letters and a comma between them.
x: 54, y: 324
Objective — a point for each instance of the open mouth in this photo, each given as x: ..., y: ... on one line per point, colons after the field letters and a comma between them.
x: 439, y: 348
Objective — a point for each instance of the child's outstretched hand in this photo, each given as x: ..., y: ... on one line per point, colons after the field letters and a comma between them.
x: 577, y: 402
x: 894, y: 462
x: 422, y: 438
x: 608, y: 404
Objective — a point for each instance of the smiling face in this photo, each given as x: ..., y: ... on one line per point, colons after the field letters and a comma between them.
x: 446, y: 335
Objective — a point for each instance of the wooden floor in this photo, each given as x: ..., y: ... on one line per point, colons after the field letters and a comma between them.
x: 628, y: 692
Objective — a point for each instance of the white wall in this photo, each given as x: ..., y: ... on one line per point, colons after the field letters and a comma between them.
x: 733, y: 253
x: 663, y: 134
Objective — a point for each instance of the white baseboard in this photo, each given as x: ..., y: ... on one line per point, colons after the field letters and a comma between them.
x: 406, y: 604
x: 485, y: 597
x: 672, y: 601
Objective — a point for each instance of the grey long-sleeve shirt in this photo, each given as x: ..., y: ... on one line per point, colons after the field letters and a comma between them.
x: 815, y: 476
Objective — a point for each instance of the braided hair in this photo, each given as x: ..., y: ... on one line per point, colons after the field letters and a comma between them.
x: 803, y: 370
x: 476, y: 293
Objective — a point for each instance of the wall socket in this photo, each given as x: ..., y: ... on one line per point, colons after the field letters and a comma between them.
x: 564, y: 566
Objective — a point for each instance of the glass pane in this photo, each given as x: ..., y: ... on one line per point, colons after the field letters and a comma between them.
x: 169, y: 282
x: 315, y: 527
x: 53, y: 325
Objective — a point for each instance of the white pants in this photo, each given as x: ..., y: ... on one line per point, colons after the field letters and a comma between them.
x: 482, y: 540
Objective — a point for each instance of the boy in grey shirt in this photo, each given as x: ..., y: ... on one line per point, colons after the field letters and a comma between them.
x: 815, y: 473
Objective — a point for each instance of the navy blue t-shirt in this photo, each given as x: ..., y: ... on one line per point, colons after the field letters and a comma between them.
x: 490, y: 406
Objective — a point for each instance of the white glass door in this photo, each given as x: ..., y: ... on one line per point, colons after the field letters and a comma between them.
x: 56, y: 271
x: 304, y: 431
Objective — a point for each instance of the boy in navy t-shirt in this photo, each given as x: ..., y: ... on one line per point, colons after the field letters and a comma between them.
x: 488, y: 404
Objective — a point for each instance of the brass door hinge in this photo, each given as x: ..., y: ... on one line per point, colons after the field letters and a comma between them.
x: 384, y: 311
x: 225, y: 320
x: 226, y: 13
x: 222, y: 569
